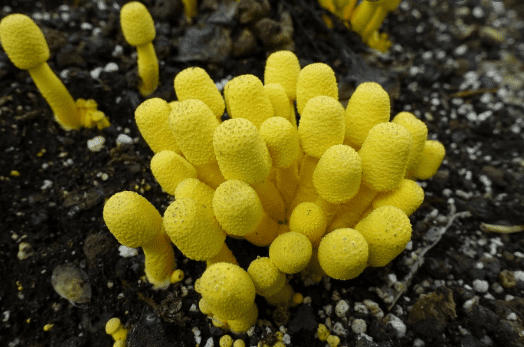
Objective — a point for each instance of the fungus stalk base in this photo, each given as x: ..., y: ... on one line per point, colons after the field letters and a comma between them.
x: 160, y: 261
x: 147, y: 68
x: 362, y: 15
x: 57, y: 96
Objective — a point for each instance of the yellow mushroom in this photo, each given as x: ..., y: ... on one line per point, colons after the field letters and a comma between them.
x: 193, y: 230
x: 314, y: 80
x: 228, y: 290
x: 309, y: 219
x: 291, y: 252
x: 419, y: 133
x: 170, y: 169
x: 139, y: 31
x: 267, y: 278
x: 387, y: 231
x: 430, y: 160
x: 280, y: 102
x: 343, y: 254
x: 246, y: 321
x: 408, y: 196
x: 246, y: 98
x: 368, y: 106
x: 195, y: 83
x: 136, y: 223
x: 115, y: 328
x: 152, y: 119
x: 384, y: 155
x: 282, y: 67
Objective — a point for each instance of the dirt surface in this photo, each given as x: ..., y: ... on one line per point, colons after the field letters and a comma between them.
x: 457, y: 65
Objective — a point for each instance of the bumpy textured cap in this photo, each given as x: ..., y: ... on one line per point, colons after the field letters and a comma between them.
x: 321, y: 125
x: 268, y: 279
x: 170, y: 169
x: 367, y: 107
x: 23, y: 41
x: 309, y: 219
x: 193, y: 230
x: 132, y: 219
x: 281, y: 139
x: 279, y: 100
x: 241, y: 152
x: 387, y: 231
x: 343, y: 254
x: 237, y: 207
x: 430, y: 160
x: 408, y: 196
x: 137, y: 24
x: 291, y: 252
x: 337, y: 175
x: 246, y: 98
x: 152, y: 119
x: 419, y: 133
x: 384, y: 156
x: 283, y: 67
x: 193, y: 125
x: 228, y: 290
x: 314, y: 80
x: 195, y: 83
x: 197, y: 190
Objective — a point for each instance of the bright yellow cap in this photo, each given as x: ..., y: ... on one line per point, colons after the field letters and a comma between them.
x: 430, y: 160
x: 387, y: 231
x: 195, y: 83
x: 309, y: 219
x: 137, y: 24
x: 384, y: 156
x: 408, y: 196
x: 241, y: 151
x: 170, y: 169
x: 314, y: 80
x: 343, y: 254
x: 281, y: 139
x: 226, y: 341
x: 337, y: 175
x: 228, y: 290
x: 246, y: 321
x: 23, y: 41
x: 321, y: 125
x: 113, y: 325
x: 246, y: 98
x: 290, y: 252
x: 204, y: 307
x: 419, y: 133
x: 367, y: 107
x: 322, y: 332
x: 193, y: 125
x: 282, y: 67
x: 193, y: 230
x: 279, y: 100
x: 237, y: 207
x: 152, y: 119
x: 239, y: 343
x: 197, y: 190
x: 267, y: 278
x: 132, y: 219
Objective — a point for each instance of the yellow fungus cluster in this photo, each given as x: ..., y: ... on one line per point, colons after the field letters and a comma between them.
x: 364, y: 19
x: 26, y: 47
x: 329, y: 197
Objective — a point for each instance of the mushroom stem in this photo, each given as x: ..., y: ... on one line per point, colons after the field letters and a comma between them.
x: 147, y: 68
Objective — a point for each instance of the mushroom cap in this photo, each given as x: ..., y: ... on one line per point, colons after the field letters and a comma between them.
x: 408, y: 196
x: 281, y: 139
x: 193, y: 125
x: 228, y: 290
x: 343, y: 254
x: 152, y: 119
x: 132, y: 219
x: 387, y: 231
x: 368, y: 106
x: 419, y: 133
x: 137, y: 24
x: 314, y: 80
x: 279, y: 100
x: 430, y: 160
x: 193, y: 230
x: 237, y: 207
x: 267, y: 278
x: 283, y: 67
x: 309, y: 219
x: 169, y: 169
x: 23, y: 41
x: 241, y: 152
x: 290, y: 252
x: 113, y: 325
x: 338, y: 173
x: 321, y: 125
x: 195, y: 83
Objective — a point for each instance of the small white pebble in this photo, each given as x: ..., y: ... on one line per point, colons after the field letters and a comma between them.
x: 418, y: 343
x: 96, y: 143
x: 341, y: 308
x: 398, y: 326
x: 512, y: 316
x: 111, y: 67
x: 338, y: 329
x: 95, y: 73
x: 123, y: 139
x: 86, y: 26
x: 47, y: 184
x: 127, y: 252
x: 359, y: 326
x: 480, y: 286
